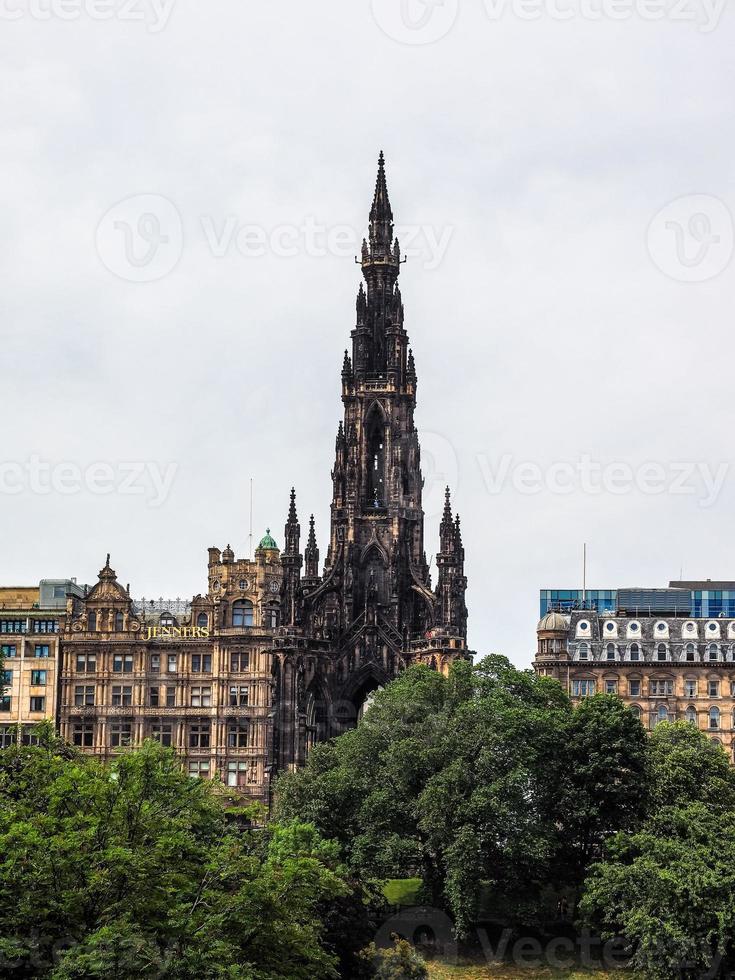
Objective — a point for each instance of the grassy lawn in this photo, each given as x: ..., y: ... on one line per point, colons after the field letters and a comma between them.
x: 439, y: 972
x: 402, y: 891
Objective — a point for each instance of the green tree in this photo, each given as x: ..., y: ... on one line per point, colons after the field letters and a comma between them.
x: 669, y: 889
x: 668, y: 885
x: 132, y: 869
x: 604, y: 781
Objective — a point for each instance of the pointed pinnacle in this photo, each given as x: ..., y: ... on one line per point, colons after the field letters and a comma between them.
x: 292, y: 518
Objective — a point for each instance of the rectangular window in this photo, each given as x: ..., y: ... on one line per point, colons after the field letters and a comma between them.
x: 239, y: 696
x: 83, y: 734
x: 122, y: 664
x: 38, y: 678
x: 45, y: 626
x: 201, y: 663
x: 120, y: 734
x: 83, y: 695
x: 12, y: 625
x: 172, y: 663
x: 153, y: 697
x: 714, y: 689
x: 7, y: 678
x: 7, y: 736
x: 690, y: 689
x: 611, y: 687
x: 41, y: 650
x: 634, y: 689
x: 170, y: 697
x: 237, y: 774
x: 237, y: 734
x: 199, y: 768
x: 86, y: 663
x: 239, y: 662
x: 199, y: 735
x: 122, y: 696
x: 662, y: 688
x: 162, y: 731
x: 201, y: 697
x: 8, y: 650
x: 155, y: 663
x: 583, y: 688
x: 4, y: 702
x: 38, y: 703
x: 28, y: 736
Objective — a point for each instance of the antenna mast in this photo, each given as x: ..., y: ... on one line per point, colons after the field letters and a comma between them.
x: 584, y: 574
x: 250, y: 536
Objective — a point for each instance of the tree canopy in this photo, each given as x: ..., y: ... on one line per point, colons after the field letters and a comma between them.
x: 486, y: 781
x: 133, y: 869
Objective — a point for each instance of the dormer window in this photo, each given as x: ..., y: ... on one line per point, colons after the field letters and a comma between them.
x: 166, y: 620
x: 583, y: 651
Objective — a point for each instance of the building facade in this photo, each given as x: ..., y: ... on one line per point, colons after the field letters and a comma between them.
x: 661, y: 656
x: 29, y: 649
x: 282, y: 652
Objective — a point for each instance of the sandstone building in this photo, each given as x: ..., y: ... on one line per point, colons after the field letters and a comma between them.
x: 668, y: 653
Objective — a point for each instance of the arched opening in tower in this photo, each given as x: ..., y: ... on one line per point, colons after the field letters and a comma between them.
x: 376, y: 460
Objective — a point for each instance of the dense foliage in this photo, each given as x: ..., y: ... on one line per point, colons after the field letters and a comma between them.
x: 133, y: 870
x: 669, y: 885
x: 484, y: 782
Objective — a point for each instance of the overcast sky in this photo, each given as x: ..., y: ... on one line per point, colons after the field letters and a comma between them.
x: 564, y: 187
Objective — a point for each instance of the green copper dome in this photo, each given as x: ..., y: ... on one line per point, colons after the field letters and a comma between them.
x: 267, y: 541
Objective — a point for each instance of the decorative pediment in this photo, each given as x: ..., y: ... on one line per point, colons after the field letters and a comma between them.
x: 107, y: 588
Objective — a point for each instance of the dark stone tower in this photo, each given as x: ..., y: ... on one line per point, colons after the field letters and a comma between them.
x: 373, y: 610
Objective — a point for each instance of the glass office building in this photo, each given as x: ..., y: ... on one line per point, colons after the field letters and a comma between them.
x: 701, y: 600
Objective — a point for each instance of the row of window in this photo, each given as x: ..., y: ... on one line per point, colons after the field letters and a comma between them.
x: 36, y: 703
x: 200, y: 663
x: 21, y: 625
x: 38, y: 678
x: 662, y: 653
x: 656, y: 687
x: 198, y: 735
x: 242, y: 614
x: 122, y: 696
x: 10, y: 650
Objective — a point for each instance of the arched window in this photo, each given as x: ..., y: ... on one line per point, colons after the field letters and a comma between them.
x: 166, y: 620
x: 691, y: 715
x: 662, y: 714
x: 118, y: 622
x: 92, y: 622
x: 636, y: 711
x: 242, y: 613
x: 610, y: 650
x: 661, y: 651
x: 376, y: 459
x: 202, y: 620
x: 271, y: 617
x: 584, y: 652
x: 714, y: 718
x: 690, y: 652
x: 635, y: 653
x: 714, y: 653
